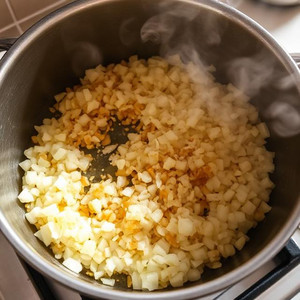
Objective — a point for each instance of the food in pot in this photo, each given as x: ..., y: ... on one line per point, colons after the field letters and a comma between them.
x: 189, y: 183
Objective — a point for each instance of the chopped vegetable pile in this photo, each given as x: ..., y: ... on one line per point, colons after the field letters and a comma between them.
x: 191, y: 180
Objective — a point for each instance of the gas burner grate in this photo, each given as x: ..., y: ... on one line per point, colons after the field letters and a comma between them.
x: 287, y: 260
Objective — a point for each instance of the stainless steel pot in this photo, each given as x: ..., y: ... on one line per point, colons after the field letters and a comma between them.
x: 282, y: 2
x: 54, y: 52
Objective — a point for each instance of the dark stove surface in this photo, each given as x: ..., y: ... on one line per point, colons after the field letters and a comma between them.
x: 286, y: 260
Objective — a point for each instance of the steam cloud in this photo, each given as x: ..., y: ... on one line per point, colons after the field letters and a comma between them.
x: 250, y: 74
x: 126, y: 32
x: 83, y: 54
x: 285, y: 118
x: 161, y: 29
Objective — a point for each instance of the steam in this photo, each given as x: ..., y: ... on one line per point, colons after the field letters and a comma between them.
x: 82, y: 53
x: 127, y: 33
x: 158, y: 29
x: 285, y: 118
x: 161, y: 29
x: 251, y: 74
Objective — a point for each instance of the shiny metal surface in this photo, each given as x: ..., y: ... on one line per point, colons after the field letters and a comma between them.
x: 5, y: 44
x: 296, y: 58
x: 282, y: 2
x: 53, y: 53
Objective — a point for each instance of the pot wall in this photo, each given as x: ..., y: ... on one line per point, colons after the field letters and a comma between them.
x: 52, y: 55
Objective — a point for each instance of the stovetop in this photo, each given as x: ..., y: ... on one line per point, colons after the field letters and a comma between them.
x: 278, y: 279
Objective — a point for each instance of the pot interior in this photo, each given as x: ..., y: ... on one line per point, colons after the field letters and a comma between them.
x: 53, y: 54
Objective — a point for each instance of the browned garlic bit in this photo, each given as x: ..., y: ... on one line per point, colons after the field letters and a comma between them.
x: 191, y: 181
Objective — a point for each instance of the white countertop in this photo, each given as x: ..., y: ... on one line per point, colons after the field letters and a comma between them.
x: 282, y: 22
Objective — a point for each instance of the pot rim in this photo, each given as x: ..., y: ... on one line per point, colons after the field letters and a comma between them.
x: 65, y: 276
